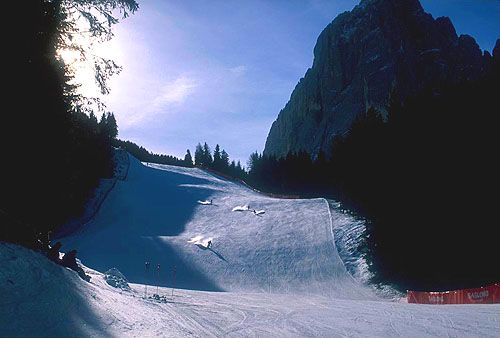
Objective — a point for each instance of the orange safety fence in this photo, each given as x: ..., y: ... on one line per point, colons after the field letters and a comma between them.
x: 484, y: 295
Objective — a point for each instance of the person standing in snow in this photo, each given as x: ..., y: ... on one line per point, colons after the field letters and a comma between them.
x: 53, y: 253
x: 209, y: 244
x: 69, y: 260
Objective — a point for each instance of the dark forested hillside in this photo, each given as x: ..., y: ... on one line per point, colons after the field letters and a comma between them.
x: 144, y: 155
x: 53, y: 153
x: 217, y: 162
x: 424, y: 178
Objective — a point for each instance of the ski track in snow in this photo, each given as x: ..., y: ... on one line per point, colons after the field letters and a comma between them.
x: 278, y: 274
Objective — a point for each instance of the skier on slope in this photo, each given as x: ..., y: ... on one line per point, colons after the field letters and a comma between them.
x: 209, y: 244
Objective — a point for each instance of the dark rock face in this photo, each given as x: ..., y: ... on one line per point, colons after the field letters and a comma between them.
x: 379, y: 48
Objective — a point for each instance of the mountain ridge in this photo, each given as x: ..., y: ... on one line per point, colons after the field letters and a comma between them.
x: 378, y: 49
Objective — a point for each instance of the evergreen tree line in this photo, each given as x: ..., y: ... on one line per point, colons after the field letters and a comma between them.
x: 218, y: 161
x: 54, y: 152
x: 144, y: 155
x: 424, y: 176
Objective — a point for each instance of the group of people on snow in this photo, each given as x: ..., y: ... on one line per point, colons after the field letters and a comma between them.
x: 68, y: 260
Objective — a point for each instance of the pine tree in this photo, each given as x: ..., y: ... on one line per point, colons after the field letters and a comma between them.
x: 188, y: 159
x: 224, y: 160
x: 253, y: 162
x: 232, y: 169
x: 111, y: 126
x: 102, y: 124
x: 198, y: 156
x: 93, y: 120
x: 217, y: 163
x: 239, y: 167
x: 207, y: 156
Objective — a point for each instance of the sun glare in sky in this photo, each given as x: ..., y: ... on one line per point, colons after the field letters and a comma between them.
x: 220, y: 72
x: 82, y: 65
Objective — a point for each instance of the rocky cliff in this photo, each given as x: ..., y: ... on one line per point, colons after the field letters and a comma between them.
x: 380, y: 48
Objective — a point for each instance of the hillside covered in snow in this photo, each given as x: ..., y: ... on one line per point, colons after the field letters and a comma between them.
x: 272, y: 272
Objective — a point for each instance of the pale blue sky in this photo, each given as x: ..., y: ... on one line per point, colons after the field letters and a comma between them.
x: 220, y: 71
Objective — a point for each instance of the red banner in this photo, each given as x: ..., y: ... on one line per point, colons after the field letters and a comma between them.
x: 484, y: 295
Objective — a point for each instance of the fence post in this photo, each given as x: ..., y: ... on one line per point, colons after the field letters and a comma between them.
x: 157, y: 278
x: 174, y: 271
x: 146, y: 266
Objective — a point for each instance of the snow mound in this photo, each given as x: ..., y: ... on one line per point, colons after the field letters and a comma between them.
x: 241, y: 208
x: 39, y: 297
x: 205, y: 202
x: 116, y: 279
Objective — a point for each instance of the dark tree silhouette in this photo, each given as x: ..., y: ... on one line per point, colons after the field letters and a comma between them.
x: 220, y: 163
x: 144, y: 155
x: 97, y: 18
x: 56, y: 153
x: 217, y: 160
x: 207, y: 156
x: 188, y: 159
x: 198, y: 156
x: 224, y: 157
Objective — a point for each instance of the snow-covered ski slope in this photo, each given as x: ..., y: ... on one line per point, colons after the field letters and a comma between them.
x: 274, y: 275
x: 155, y: 215
x: 40, y: 298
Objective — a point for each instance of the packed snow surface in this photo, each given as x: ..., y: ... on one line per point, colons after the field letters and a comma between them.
x: 155, y: 216
x: 278, y: 274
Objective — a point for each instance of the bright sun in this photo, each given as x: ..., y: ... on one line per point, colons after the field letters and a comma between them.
x: 83, y: 69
